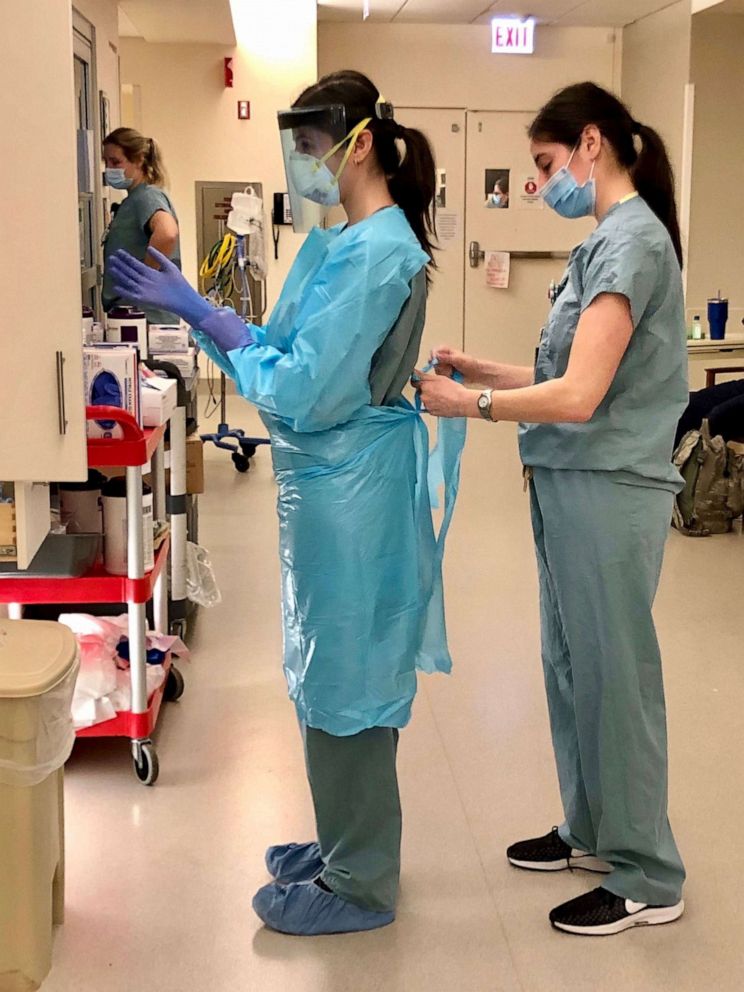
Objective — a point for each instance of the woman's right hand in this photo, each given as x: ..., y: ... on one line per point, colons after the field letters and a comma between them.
x: 451, y: 360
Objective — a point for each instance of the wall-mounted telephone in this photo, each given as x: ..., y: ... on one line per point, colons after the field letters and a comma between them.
x: 281, y: 215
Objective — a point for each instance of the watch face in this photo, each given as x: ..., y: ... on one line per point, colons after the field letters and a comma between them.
x: 483, y: 402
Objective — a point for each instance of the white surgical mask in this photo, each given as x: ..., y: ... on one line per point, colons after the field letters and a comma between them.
x: 116, y: 179
x: 313, y: 179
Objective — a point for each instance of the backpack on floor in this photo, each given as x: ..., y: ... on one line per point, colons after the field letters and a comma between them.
x: 713, y: 496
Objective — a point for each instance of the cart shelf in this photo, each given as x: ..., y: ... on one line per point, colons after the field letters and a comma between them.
x: 95, y: 587
x: 133, y: 725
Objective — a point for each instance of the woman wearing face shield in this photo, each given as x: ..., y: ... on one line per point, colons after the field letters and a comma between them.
x: 597, y: 420
x: 145, y: 218
x: 361, y: 570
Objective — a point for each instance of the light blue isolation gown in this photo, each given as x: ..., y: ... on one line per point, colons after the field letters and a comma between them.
x: 361, y: 565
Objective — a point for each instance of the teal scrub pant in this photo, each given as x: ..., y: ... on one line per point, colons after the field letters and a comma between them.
x: 600, y: 546
x: 354, y: 785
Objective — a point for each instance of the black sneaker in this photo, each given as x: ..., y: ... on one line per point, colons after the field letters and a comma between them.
x: 552, y: 853
x: 600, y: 913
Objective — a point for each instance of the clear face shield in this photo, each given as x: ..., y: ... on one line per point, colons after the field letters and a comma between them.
x: 316, y: 145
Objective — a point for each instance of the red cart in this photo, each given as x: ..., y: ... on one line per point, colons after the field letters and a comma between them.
x: 135, y: 449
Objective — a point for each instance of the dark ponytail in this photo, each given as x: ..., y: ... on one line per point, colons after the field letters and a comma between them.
x: 403, y: 154
x: 654, y: 179
x: 564, y: 118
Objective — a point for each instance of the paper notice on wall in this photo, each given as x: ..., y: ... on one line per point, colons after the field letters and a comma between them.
x: 448, y: 226
x: 529, y: 198
x: 498, y: 265
x: 440, y: 198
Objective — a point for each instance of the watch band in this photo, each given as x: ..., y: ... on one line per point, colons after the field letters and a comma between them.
x: 484, y: 404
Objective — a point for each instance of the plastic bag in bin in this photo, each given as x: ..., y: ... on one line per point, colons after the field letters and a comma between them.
x: 201, y: 585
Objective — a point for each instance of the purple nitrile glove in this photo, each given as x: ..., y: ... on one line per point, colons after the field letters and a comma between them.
x: 226, y: 329
x: 165, y: 288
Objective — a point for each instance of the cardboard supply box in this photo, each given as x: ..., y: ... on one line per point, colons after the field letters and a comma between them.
x: 169, y: 338
x: 111, y: 377
x: 159, y: 399
x: 8, y: 540
x: 194, y: 465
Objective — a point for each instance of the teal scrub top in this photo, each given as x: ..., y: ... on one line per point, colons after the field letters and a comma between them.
x: 129, y: 230
x: 632, y: 431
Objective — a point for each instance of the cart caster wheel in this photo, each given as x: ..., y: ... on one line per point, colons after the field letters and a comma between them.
x: 146, y: 766
x: 178, y: 628
x: 174, y: 686
x: 249, y: 450
x: 241, y: 463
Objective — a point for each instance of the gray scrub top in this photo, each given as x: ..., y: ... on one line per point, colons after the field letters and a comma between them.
x: 632, y: 431
x: 129, y: 230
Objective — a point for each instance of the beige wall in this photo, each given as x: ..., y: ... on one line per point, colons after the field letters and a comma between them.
x: 438, y: 65
x: 103, y: 15
x: 186, y: 107
x: 655, y: 97
x: 717, y: 217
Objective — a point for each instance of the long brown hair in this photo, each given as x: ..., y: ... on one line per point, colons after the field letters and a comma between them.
x: 411, y: 178
x: 564, y: 118
x: 138, y: 148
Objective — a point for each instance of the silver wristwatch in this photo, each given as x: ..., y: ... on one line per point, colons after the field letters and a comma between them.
x: 484, y: 404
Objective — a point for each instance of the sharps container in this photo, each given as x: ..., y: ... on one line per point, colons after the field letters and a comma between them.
x: 38, y: 669
x: 718, y: 311
x: 115, y: 556
x: 127, y: 325
x: 80, y: 504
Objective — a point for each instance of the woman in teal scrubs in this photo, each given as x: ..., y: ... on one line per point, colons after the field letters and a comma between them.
x: 146, y: 218
x: 598, y: 415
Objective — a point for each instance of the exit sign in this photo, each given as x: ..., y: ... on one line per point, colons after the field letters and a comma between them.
x: 512, y: 36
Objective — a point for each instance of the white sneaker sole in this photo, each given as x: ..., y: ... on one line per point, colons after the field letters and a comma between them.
x: 586, y: 862
x: 645, y: 918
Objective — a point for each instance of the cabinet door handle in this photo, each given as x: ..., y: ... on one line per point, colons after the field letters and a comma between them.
x: 61, y: 411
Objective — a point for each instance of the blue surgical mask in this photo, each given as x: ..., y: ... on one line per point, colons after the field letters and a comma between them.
x: 566, y: 197
x: 116, y: 179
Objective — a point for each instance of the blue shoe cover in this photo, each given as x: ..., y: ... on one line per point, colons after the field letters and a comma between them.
x: 305, y: 910
x: 294, y: 862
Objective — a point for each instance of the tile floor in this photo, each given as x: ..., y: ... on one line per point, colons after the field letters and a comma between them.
x: 160, y: 880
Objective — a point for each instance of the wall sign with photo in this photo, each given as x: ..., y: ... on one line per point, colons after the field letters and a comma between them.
x: 497, y: 189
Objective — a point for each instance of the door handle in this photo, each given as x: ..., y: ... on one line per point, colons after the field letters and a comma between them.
x: 61, y: 411
x: 477, y: 255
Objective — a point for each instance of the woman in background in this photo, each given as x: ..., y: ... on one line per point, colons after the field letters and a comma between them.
x: 146, y: 218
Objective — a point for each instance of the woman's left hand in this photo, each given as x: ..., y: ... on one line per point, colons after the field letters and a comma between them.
x: 442, y: 397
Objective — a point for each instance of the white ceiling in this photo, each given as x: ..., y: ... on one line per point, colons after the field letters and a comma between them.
x: 574, y: 13
x: 207, y: 21
x: 211, y: 20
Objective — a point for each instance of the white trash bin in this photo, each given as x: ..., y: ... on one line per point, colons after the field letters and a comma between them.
x: 38, y: 668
